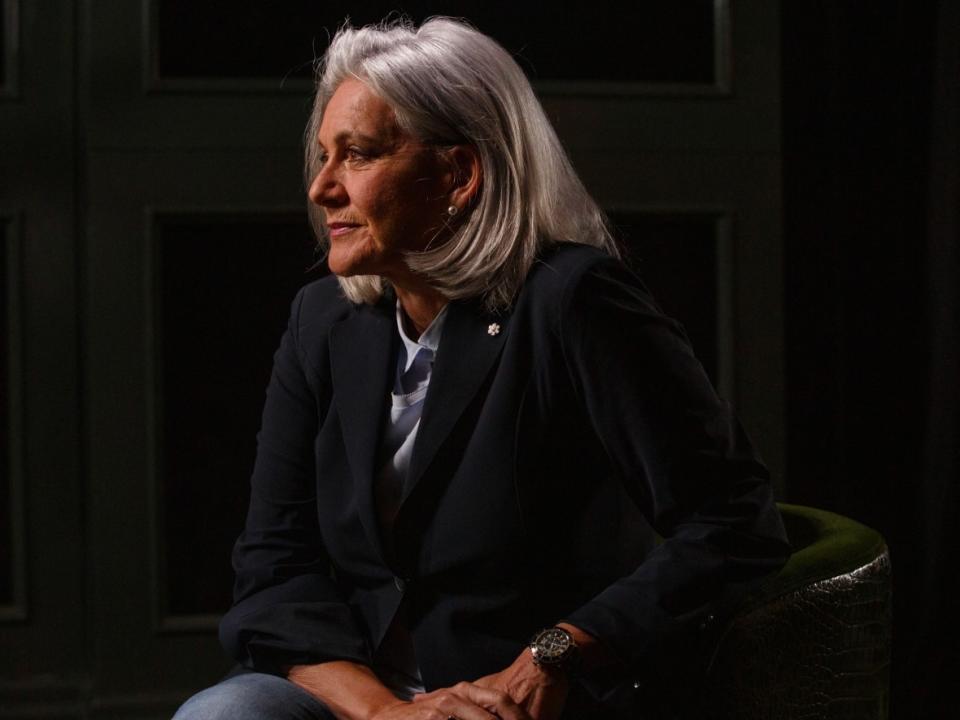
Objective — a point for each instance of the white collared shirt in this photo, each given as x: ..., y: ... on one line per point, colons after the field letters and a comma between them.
x: 413, y: 370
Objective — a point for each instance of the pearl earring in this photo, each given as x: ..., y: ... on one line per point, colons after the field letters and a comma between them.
x: 452, y: 210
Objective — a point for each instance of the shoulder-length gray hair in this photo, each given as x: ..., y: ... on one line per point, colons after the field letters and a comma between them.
x: 450, y: 84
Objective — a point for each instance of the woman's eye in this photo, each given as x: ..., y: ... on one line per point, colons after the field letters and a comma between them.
x: 355, y: 153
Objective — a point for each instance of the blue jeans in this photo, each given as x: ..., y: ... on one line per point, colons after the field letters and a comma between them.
x: 253, y: 696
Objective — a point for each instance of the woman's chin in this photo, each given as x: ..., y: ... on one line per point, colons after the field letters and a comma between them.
x: 344, y: 272
x: 346, y: 265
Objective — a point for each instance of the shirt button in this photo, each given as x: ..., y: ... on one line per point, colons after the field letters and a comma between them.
x: 400, y: 584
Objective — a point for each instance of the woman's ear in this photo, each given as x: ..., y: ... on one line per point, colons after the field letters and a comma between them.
x: 466, y: 173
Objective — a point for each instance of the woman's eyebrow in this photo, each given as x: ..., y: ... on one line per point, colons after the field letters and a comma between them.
x: 345, y: 135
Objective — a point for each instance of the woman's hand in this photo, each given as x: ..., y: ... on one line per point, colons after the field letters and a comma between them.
x: 539, y: 691
x: 542, y: 691
x: 353, y: 692
x: 463, y: 701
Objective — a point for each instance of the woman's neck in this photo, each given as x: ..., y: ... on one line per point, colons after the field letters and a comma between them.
x: 421, y: 305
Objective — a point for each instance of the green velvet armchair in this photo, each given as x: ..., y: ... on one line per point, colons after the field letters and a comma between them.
x: 814, y: 643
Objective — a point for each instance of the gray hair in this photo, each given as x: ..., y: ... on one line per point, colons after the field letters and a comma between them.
x: 450, y: 84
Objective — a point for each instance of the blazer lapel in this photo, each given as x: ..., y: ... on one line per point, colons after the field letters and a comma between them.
x: 471, y: 341
x: 361, y: 360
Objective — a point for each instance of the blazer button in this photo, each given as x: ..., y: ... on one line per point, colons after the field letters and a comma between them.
x: 400, y: 584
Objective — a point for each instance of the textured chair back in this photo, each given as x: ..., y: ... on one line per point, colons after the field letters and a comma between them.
x: 814, y: 643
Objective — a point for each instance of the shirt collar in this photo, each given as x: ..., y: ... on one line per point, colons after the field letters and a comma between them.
x: 429, y: 338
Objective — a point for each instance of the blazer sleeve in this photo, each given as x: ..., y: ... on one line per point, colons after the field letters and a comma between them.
x: 287, y: 607
x: 683, y: 458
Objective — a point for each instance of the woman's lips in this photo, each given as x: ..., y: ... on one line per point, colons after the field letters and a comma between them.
x: 336, y: 229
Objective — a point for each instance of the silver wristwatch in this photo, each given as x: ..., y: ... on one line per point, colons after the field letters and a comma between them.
x: 555, y: 647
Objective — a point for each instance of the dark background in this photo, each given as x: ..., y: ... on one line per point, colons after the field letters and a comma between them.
x: 870, y: 128
x: 789, y: 192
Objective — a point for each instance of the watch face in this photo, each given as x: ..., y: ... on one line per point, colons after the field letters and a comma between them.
x: 551, y: 646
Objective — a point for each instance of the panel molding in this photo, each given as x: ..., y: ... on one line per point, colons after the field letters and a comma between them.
x: 16, y: 611
x: 153, y: 84
x: 164, y: 622
x: 10, y: 87
x: 726, y: 288
x: 720, y: 87
x: 153, y: 371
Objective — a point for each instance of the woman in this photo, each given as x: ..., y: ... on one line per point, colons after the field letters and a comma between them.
x: 473, y: 429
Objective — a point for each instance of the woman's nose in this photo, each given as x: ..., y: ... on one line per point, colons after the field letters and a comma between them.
x: 326, y: 190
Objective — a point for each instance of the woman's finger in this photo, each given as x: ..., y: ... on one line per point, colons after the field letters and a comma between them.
x: 496, y: 701
x: 453, y: 705
x: 461, y: 708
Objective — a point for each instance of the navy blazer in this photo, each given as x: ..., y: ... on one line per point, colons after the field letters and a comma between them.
x: 557, y: 440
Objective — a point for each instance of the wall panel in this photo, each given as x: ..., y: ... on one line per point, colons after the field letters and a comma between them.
x: 179, y: 244
x: 682, y: 255
x: 223, y: 284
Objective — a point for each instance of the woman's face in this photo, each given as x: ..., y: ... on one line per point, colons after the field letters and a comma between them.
x: 382, y: 192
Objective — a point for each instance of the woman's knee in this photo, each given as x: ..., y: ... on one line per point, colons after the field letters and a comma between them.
x: 253, y: 696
